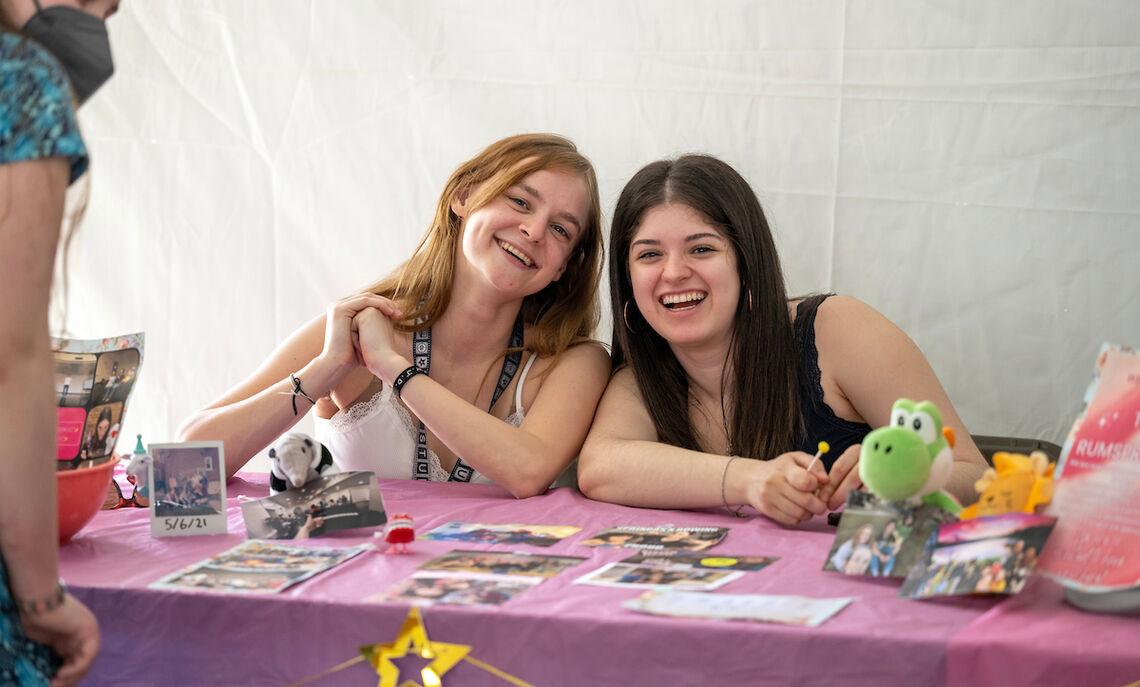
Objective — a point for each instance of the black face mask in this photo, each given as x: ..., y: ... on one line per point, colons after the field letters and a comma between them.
x: 79, y: 41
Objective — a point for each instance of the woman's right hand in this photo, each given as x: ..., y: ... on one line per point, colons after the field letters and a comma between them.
x: 341, y: 345
x: 782, y: 488
x: 72, y: 631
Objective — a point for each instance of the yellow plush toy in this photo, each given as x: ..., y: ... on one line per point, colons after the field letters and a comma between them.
x: 1016, y: 483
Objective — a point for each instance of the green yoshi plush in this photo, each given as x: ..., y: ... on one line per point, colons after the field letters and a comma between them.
x: 910, y: 459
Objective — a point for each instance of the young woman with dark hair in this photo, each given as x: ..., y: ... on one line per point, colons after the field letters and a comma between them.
x: 714, y: 363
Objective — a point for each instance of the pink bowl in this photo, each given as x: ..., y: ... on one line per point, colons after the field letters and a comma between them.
x: 81, y: 493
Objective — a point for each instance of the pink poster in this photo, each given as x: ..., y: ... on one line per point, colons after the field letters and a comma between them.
x: 1096, y: 543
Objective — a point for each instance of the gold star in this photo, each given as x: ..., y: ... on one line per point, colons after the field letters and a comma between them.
x: 443, y: 656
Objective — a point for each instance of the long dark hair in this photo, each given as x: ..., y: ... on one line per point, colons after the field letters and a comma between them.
x: 765, y: 417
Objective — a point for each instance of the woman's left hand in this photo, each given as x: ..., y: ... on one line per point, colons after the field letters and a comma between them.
x: 844, y: 477
x: 377, y: 344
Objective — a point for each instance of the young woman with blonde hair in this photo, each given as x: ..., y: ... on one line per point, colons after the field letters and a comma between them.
x: 470, y: 362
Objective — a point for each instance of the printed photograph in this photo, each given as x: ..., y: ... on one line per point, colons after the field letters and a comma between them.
x: 483, y: 533
x: 626, y: 575
x: 101, y: 431
x: 254, y: 567
x: 187, y: 479
x: 425, y: 589
x: 658, y: 538
x: 74, y: 378
x: 115, y: 375
x: 502, y: 563
x: 880, y: 538
x: 994, y: 554
x: 341, y: 501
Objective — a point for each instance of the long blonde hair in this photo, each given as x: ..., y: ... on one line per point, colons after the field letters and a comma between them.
x: 563, y: 311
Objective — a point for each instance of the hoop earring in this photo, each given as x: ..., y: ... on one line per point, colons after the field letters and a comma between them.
x: 625, y: 316
x: 749, y: 300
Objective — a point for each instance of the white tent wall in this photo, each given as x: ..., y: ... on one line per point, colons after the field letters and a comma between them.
x: 969, y: 168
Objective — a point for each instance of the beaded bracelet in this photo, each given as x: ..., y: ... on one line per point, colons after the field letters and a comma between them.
x: 723, y: 496
x: 402, y: 378
x: 45, y: 604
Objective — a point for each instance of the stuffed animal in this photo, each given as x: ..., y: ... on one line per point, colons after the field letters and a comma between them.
x: 138, y: 474
x: 1016, y: 483
x: 295, y: 460
x: 910, y: 459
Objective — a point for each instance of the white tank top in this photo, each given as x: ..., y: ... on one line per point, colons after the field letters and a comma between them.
x: 379, y: 435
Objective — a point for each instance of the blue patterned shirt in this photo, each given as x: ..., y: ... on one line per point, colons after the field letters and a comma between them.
x: 37, y: 118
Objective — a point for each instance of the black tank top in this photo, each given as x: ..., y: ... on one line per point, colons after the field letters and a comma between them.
x: 820, y: 421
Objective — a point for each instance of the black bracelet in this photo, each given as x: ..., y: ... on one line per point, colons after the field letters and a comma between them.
x: 298, y: 391
x: 402, y: 378
x: 44, y: 605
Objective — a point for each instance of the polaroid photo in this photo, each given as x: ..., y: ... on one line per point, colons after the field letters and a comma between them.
x: 666, y: 537
x: 341, y: 501
x: 787, y: 610
x: 501, y: 563
x: 426, y: 589
x: 878, y: 538
x: 994, y: 554
x: 483, y: 533
x: 686, y: 559
x: 188, y: 489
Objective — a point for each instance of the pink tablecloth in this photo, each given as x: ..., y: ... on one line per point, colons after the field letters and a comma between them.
x: 565, y: 634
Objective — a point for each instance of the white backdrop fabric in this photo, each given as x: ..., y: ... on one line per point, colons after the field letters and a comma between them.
x: 968, y: 167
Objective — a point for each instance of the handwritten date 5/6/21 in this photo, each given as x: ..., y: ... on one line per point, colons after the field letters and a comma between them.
x: 184, y: 523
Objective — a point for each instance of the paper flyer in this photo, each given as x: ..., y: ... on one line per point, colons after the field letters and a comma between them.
x: 258, y: 567
x: 93, y: 383
x: 788, y: 610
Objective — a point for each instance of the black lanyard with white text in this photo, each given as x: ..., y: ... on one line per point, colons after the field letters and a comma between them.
x: 421, y: 358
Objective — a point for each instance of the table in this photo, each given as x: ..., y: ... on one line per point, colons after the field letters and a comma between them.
x: 565, y: 634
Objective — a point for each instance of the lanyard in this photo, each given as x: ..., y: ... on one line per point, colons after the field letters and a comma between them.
x: 421, y: 358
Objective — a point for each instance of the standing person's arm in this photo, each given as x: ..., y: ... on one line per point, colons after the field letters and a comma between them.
x: 31, y: 212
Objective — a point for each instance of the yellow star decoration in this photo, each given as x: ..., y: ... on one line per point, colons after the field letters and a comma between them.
x: 413, y: 635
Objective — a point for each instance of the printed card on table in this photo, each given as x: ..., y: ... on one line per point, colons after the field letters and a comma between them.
x: 788, y: 610
x: 687, y: 559
x: 1096, y: 545
x: 501, y: 563
x: 994, y: 554
x: 93, y: 382
x: 658, y: 577
x: 340, y: 501
x: 188, y: 488
x: 665, y: 537
x: 880, y: 538
x: 476, y: 578
x: 257, y: 567
x: 483, y: 533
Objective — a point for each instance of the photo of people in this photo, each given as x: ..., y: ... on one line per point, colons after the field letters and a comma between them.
x: 115, y: 375
x: 255, y: 567
x: 656, y: 538
x: 881, y: 538
x: 426, y: 589
x: 531, y: 535
x: 100, y: 432
x: 340, y: 501
x: 187, y: 480
x: 74, y: 377
x: 502, y: 563
x: 680, y: 577
x: 989, y: 555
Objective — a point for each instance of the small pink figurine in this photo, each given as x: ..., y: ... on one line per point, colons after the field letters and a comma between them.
x: 398, y: 533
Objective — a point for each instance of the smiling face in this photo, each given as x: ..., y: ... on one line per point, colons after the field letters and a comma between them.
x: 519, y: 242
x: 684, y: 276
